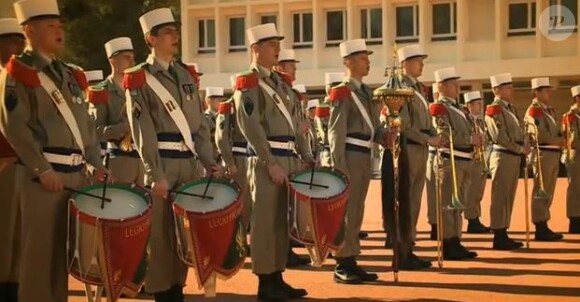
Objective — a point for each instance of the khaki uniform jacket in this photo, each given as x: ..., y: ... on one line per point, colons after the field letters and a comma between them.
x: 259, y: 118
x: 415, y: 116
x: 504, y: 127
x: 30, y: 120
x: 575, y: 127
x: 346, y: 119
x: 227, y: 132
x: 110, y: 115
x: 151, y: 117
x: 211, y: 121
x: 457, y: 120
x: 548, y: 124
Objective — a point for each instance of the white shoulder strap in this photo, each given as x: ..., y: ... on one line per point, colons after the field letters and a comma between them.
x: 422, y: 99
x: 461, y: 113
x: 62, y: 106
x: 173, y: 109
x: 364, y: 113
x: 278, y: 102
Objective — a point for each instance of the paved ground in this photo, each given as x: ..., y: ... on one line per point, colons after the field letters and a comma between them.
x: 546, y: 272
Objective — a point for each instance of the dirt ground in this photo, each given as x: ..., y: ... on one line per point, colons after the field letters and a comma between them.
x: 545, y: 272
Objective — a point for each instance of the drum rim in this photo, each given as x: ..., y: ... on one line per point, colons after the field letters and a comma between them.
x: 132, y: 188
x: 231, y: 183
x: 321, y: 169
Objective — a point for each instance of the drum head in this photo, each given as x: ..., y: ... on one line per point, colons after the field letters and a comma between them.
x: 126, y: 202
x: 222, y: 191
x: 326, y: 183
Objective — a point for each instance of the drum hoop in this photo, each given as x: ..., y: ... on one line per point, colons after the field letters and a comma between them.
x: 88, y: 218
x: 178, y: 209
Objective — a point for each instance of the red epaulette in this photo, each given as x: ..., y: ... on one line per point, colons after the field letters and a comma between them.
x: 535, y: 111
x: 134, y: 79
x: 193, y: 72
x: 493, y: 110
x: 568, y: 119
x: 437, y: 109
x: 23, y: 73
x: 322, y: 112
x: 225, y: 108
x: 338, y: 93
x: 81, y: 78
x: 99, y: 96
x: 286, y: 78
x: 246, y: 81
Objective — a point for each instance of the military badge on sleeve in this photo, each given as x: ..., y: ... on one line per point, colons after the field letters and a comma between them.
x: 10, y: 101
x: 248, y: 105
x: 136, y: 110
x: 498, y: 124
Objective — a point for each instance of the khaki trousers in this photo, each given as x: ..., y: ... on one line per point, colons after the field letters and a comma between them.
x: 10, y: 195
x: 476, y: 190
x: 505, y: 171
x: 550, y: 167
x: 573, y: 192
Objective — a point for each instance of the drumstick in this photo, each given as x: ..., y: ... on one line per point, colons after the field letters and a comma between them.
x: 80, y: 192
x: 207, y: 186
x: 308, y: 183
x: 107, y: 157
x: 311, y: 177
x: 185, y: 193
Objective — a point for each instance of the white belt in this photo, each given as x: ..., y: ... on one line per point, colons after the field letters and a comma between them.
x: 358, y: 142
x: 239, y: 150
x: 290, y: 145
x: 457, y: 153
x: 113, y: 146
x: 173, y: 146
x: 549, y: 147
x: 69, y: 160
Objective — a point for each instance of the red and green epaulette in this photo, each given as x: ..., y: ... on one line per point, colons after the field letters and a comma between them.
x: 569, y: 118
x: 21, y: 70
x: 286, y: 78
x: 322, y: 111
x: 79, y: 75
x: 535, y: 110
x: 246, y: 81
x: 134, y: 77
x: 493, y: 109
x: 98, y: 94
x: 437, y: 109
x: 339, y: 93
x: 225, y: 108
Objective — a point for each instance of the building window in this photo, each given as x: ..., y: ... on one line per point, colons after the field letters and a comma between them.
x: 237, y: 34
x: 265, y: 19
x: 522, y: 18
x: 407, y: 24
x: 206, y: 36
x: 444, y: 21
x: 371, y: 20
x: 557, y: 19
x: 302, y: 30
x: 335, y: 27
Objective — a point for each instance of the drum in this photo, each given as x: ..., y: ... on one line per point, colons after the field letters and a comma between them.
x: 210, y: 234
x: 318, y: 200
x: 107, y: 246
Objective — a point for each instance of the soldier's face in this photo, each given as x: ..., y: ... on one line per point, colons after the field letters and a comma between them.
x: 123, y: 60
x: 214, y: 103
x: 414, y: 67
x: 449, y: 88
x: 311, y: 113
x: 475, y: 107
x: 267, y: 52
x: 287, y: 68
x: 10, y: 45
x: 46, y: 34
x: 505, y: 92
x: 543, y: 94
x: 577, y: 100
x: 359, y: 64
x: 166, y: 40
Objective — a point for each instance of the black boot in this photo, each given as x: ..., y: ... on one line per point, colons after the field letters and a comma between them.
x: 543, y: 232
x: 165, y: 296
x: 363, y: 235
x: 475, y: 226
x: 433, y: 235
x: 452, y: 250
x: 389, y: 241
x: 467, y: 254
x: 12, y: 292
x: 574, y: 225
x: 177, y: 294
x: 294, y: 260
x: 364, y: 275
x: 345, y: 271
x: 4, y: 291
x: 293, y: 293
x: 269, y: 289
x: 413, y: 263
x: 502, y: 242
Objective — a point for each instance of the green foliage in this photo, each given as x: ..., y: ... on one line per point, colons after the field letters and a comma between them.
x: 89, y: 24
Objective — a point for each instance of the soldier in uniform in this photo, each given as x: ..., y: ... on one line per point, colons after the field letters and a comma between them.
x: 353, y: 127
x: 303, y: 93
x: 572, y: 118
x: 170, y: 132
x: 12, y: 42
x: 94, y: 76
x: 311, y: 115
x: 108, y: 108
x: 44, y: 118
x: 450, y: 119
x: 474, y: 107
x: 268, y: 116
x: 417, y: 135
x: 506, y: 133
x: 331, y: 79
x: 542, y: 117
x: 213, y: 97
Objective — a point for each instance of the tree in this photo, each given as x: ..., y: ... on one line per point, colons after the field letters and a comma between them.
x: 90, y: 24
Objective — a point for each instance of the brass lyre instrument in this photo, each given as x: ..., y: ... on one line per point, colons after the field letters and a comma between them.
x: 126, y: 144
x: 479, y: 152
x: 526, y: 189
x: 447, y: 131
x: 439, y: 201
x: 541, y: 193
x: 394, y: 94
